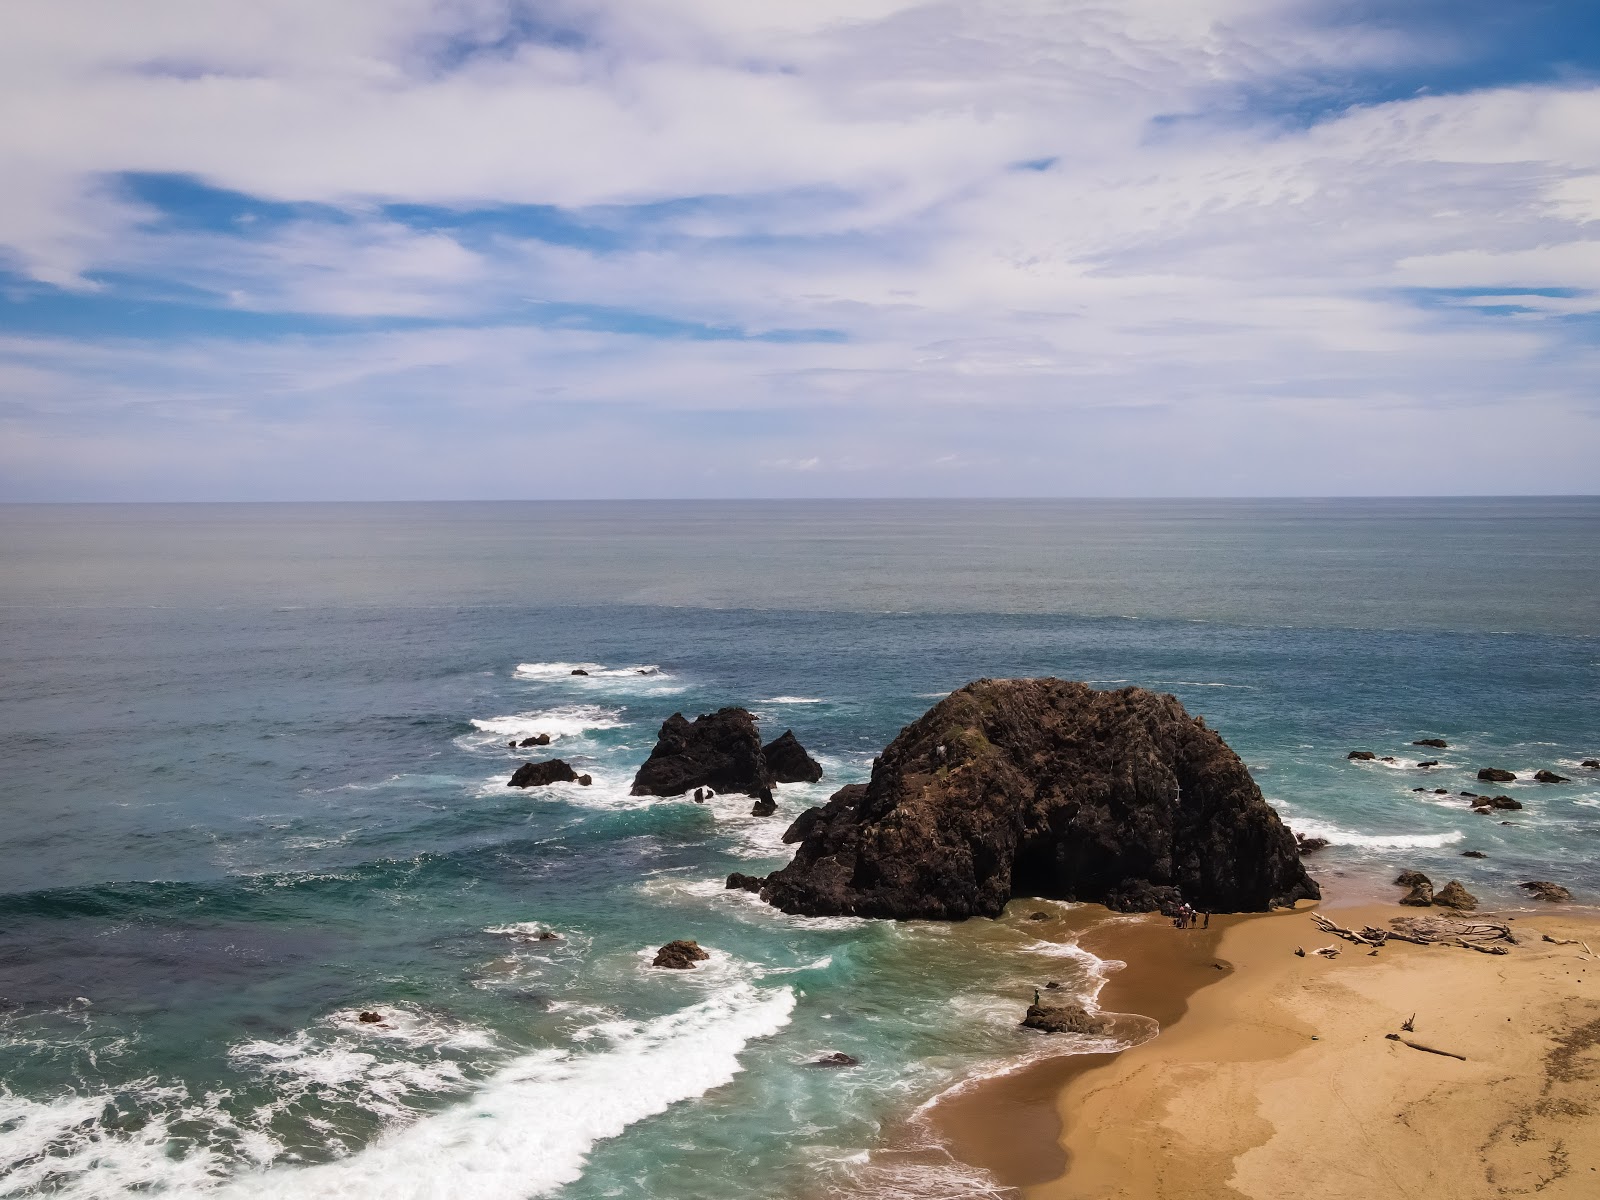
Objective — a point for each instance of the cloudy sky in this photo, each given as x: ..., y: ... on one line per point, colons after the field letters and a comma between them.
x: 289, y: 249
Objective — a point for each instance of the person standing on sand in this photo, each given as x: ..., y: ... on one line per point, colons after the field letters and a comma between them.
x: 1207, y: 925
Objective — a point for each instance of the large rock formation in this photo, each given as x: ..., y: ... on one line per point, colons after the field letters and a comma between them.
x: 1040, y: 787
x: 722, y: 751
x: 788, y: 761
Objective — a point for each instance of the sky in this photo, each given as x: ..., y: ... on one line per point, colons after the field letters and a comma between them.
x: 494, y: 249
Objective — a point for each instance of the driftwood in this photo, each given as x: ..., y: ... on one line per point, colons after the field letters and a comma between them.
x: 1395, y: 1037
x: 1482, y: 936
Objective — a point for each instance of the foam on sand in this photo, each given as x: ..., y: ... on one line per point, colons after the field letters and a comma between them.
x: 529, y: 1129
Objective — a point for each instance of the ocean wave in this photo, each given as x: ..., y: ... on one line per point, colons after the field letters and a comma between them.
x: 529, y: 1128
x: 564, y: 670
x: 793, y: 700
x: 568, y: 721
x: 1374, y: 841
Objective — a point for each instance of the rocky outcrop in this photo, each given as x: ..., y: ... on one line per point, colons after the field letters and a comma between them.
x: 719, y: 750
x: 788, y: 761
x: 837, y: 1059
x: 1485, y: 804
x: 1541, y: 889
x: 1550, y: 777
x: 1066, y: 1017
x: 1435, y: 743
x: 1361, y: 756
x: 1041, y: 787
x: 1496, y: 775
x: 1453, y: 895
x: 1309, y: 845
x: 679, y: 955
x: 541, y: 774
x: 744, y: 883
x: 765, y: 805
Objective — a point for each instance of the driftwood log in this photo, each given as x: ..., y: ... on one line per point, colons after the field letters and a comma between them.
x: 1484, y: 936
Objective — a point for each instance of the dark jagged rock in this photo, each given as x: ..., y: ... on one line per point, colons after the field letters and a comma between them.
x: 1473, y: 854
x: 1309, y: 845
x: 1066, y: 1018
x: 1435, y: 743
x: 1432, y: 762
x: 679, y: 955
x: 744, y: 883
x: 1044, y: 788
x: 1490, y: 803
x: 837, y: 1059
x: 1453, y: 895
x: 579, y: 671
x: 540, y: 774
x: 788, y: 761
x: 765, y: 805
x: 1410, y: 879
x: 1496, y: 775
x: 1361, y: 756
x: 1420, y: 895
x: 719, y: 750
x: 538, y: 739
x: 1541, y: 889
x: 1550, y: 777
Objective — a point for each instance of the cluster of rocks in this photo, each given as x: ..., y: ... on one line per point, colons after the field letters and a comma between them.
x: 538, y: 739
x: 543, y: 774
x: 1486, y: 774
x: 1482, y: 805
x: 1421, y: 893
x: 1043, y: 787
x: 722, y: 752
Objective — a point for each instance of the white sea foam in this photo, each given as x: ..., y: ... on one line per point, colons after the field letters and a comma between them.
x: 793, y: 700
x: 564, y: 670
x: 529, y: 1128
x: 525, y: 931
x: 568, y: 721
x: 1374, y: 841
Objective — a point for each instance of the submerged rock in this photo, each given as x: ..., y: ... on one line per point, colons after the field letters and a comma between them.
x: 679, y: 955
x: 1436, y: 743
x: 1473, y: 854
x: 1541, y: 889
x: 788, y: 761
x: 1041, y: 787
x: 1496, y: 775
x: 1361, y: 756
x: 718, y: 750
x: 837, y: 1059
x: 1453, y: 895
x: 1066, y: 1017
x: 541, y: 774
x: 1550, y: 777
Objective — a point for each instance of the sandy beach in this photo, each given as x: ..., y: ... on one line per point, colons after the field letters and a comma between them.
x: 1273, y: 1075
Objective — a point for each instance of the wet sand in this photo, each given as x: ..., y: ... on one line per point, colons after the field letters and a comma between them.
x: 1276, y: 1079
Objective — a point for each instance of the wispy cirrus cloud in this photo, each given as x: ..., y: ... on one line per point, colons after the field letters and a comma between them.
x: 1124, y: 246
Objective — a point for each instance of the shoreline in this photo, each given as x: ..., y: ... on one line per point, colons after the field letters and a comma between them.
x: 1274, y: 1074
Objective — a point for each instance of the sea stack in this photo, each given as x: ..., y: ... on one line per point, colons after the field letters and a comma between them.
x: 721, y: 751
x: 1043, y: 787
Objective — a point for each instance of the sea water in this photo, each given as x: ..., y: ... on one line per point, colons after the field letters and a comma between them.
x: 254, y: 784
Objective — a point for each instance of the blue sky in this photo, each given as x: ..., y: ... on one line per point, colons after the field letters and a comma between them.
x: 494, y: 249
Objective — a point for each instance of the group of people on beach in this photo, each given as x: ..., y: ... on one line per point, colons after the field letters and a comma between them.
x: 1187, y: 918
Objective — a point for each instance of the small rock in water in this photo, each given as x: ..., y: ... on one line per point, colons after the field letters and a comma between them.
x: 1410, y: 878
x: 1436, y: 743
x: 585, y: 780
x: 542, y: 774
x: 1065, y: 1018
x: 1432, y: 762
x: 538, y: 739
x: 1310, y: 845
x: 1419, y: 789
x: 1496, y: 775
x: 1549, y: 777
x: 1051, y: 984
x: 765, y: 805
x: 1541, y: 889
x: 1453, y: 895
x: 836, y: 1059
x: 1592, y: 763
x: 368, y: 1017
x: 744, y: 883
x: 1441, y: 791
x: 1388, y: 758
x: 699, y: 795
x: 1361, y: 756
x: 679, y: 955
x: 1038, y: 916
x: 1473, y: 854
x: 579, y: 671
x: 1486, y: 803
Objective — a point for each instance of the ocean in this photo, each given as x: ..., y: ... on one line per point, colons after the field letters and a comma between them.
x: 254, y: 784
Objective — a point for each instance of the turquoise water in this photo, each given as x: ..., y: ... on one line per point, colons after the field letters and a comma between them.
x: 255, y: 761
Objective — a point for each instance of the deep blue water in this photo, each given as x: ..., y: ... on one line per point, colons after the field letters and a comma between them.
x: 254, y: 782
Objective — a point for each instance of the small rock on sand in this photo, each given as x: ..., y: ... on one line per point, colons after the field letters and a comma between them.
x: 1453, y: 895
x: 1541, y: 889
